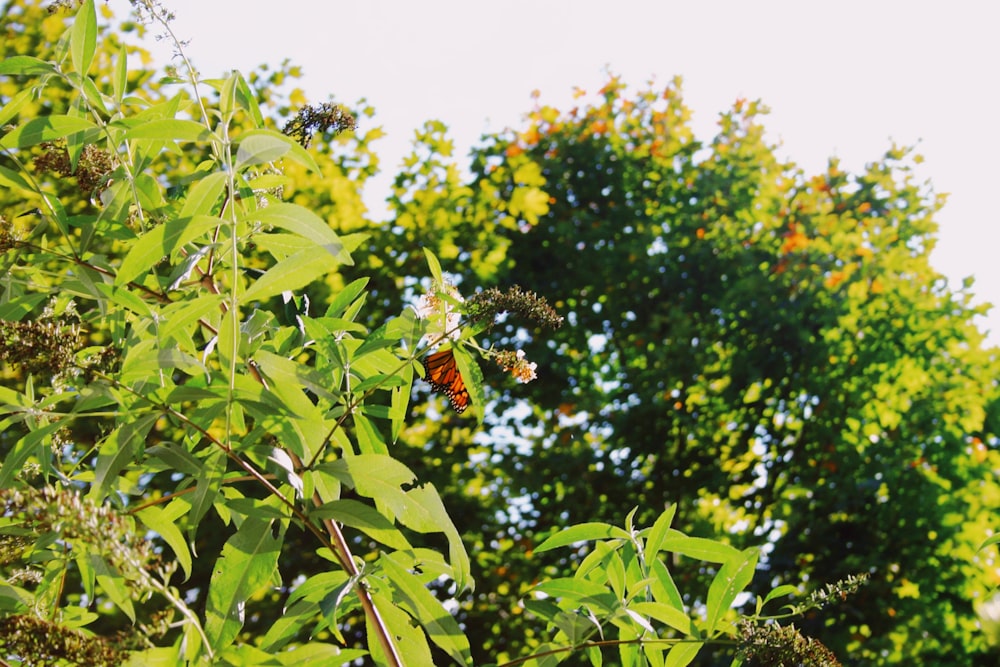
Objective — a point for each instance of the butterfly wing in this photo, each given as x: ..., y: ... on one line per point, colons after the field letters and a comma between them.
x: 441, y: 372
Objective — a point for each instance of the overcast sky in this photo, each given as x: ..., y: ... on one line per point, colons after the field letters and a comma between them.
x: 842, y: 79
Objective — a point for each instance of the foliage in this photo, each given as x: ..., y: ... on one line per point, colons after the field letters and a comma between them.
x: 191, y: 365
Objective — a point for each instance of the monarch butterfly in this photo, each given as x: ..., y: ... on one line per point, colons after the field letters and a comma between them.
x: 441, y: 371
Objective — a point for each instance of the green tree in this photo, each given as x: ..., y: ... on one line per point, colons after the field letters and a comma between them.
x: 771, y: 350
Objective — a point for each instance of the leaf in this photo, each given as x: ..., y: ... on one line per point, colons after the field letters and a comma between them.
x: 442, y: 629
x: 32, y: 444
x: 305, y: 223
x: 582, y: 532
x: 665, y: 613
x: 25, y: 66
x: 698, y: 547
x: 118, y: 450
x: 364, y: 518
x: 248, y: 561
x: 263, y: 145
x: 732, y: 578
x: 293, y: 273
x: 170, y: 130
x: 83, y: 39
x: 160, y: 242
x: 578, y: 592
x: 163, y: 522
x: 408, y: 639
x: 656, y: 534
x: 47, y: 128
x: 204, y: 195
x: 682, y: 655
x: 113, y: 584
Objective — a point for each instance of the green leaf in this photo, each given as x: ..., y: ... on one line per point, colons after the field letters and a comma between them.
x: 263, y: 145
x: 47, y: 128
x: 118, y: 450
x: 682, y: 655
x: 203, y: 196
x: 32, y: 444
x: 408, y: 639
x: 579, y: 591
x: 656, y: 534
x: 25, y: 66
x: 582, y: 533
x: 248, y: 561
x: 83, y: 40
x: 364, y: 518
x: 113, y: 584
x: 160, y: 242
x: 780, y: 591
x: 163, y: 522
x: 169, y: 130
x: 698, y: 547
x: 665, y: 613
x: 732, y: 578
x: 292, y: 273
x: 442, y: 629
x: 120, y: 79
x: 300, y: 220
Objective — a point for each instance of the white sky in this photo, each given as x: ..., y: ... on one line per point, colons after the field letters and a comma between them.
x: 843, y: 79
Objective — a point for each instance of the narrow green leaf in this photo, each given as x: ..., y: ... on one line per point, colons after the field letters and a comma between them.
x: 364, y: 518
x: 26, y: 66
x: 582, y: 533
x: 780, y: 591
x: 15, y: 103
x: 113, y: 585
x: 163, y: 521
x: 48, y: 128
x: 248, y: 562
x: 656, y: 534
x: 666, y: 614
x: 434, y: 265
x: 170, y: 130
x: 345, y: 297
x: 160, y: 242
x: 698, y: 547
x: 120, y: 80
x: 33, y: 444
x: 318, y: 654
x: 408, y: 639
x: 83, y: 40
x: 663, y: 587
x: 441, y: 627
x: 732, y: 578
x: 263, y: 145
x: 305, y: 223
x: 579, y: 591
x: 118, y: 450
x: 682, y: 655
x: 293, y: 273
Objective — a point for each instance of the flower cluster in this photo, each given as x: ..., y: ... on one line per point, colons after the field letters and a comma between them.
x: 91, y: 171
x: 80, y: 523
x: 440, y: 307
x: 488, y: 304
x: 37, y: 642
x: 516, y: 364
x: 321, y: 118
x: 775, y: 645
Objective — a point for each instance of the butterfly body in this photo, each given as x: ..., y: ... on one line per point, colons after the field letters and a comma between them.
x: 441, y: 372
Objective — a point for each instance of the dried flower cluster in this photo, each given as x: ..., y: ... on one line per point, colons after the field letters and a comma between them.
x: 832, y: 593
x: 38, y: 643
x: 321, y: 118
x: 45, y: 346
x: 515, y: 363
x: 79, y: 523
x: 490, y: 303
x: 91, y: 171
x: 774, y: 645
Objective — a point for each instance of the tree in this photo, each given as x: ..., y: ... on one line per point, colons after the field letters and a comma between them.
x: 772, y: 351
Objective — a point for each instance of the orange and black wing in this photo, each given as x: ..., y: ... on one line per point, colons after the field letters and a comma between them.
x: 441, y: 371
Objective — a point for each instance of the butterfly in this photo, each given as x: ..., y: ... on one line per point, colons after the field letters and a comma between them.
x: 441, y: 371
